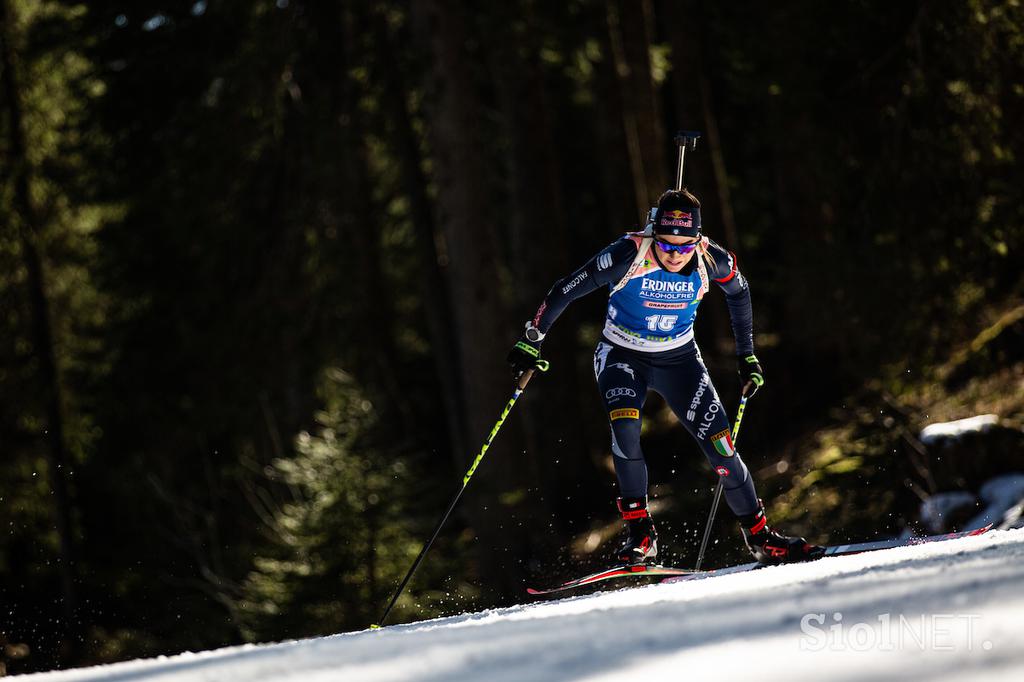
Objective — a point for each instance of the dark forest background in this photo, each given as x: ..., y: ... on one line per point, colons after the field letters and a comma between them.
x: 260, y: 265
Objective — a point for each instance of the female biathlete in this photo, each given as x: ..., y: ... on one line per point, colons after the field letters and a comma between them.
x: 648, y: 344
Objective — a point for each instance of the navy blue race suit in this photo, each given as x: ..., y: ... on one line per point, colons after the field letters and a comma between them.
x: 648, y: 344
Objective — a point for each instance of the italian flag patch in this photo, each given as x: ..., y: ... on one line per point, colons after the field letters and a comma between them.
x: 723, y: 443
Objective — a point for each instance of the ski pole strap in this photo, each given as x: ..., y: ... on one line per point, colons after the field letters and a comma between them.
x: 534, y: 352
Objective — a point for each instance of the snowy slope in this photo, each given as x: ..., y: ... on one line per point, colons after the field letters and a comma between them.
x: 955, y: 612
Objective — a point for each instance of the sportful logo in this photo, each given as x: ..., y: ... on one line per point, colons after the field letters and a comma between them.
x: 575, y: 280
x: 614, y: 393
x: 604, y: 261
x: 625, y: 413
x: 691, y: 413
x: 723, y: 443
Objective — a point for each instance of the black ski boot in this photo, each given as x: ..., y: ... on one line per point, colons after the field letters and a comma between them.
x: 641, y: 544
x: 771, y: 547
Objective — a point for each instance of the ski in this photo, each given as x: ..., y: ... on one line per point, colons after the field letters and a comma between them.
x: 712, y: 572
x: 673, y: 575
x: 902, y: 542
x: 615, y: 572
x: 837, y: 550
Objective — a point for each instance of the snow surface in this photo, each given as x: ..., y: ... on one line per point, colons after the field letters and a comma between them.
x: 955, y: 611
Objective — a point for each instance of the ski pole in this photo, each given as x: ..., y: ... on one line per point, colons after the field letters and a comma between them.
x: 719, y: 488
x: 542, y: 365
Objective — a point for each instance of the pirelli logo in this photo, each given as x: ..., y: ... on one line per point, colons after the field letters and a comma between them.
x: 625, y: 413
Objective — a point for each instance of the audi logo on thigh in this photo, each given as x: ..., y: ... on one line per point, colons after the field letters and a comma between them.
x: 619, y: 393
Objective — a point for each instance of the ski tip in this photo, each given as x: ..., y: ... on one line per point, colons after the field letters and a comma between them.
x: 374, y: 626
x: 530, y: 590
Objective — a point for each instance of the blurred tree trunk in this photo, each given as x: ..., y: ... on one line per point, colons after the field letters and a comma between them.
x: 43, y: 342
x: 436, y: 305
x: 714, y: 145
x: 695, y: 105
x: 630, y: 27
x: 537, y: 215
x: 621, y: 207
x: 377, y: 310
x: 470, y: 221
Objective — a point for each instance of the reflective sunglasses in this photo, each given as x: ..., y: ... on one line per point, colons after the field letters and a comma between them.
x: 682, y: 249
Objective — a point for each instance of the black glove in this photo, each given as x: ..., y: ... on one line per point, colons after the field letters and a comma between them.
x: 525, y: 355
x: 751, y: 374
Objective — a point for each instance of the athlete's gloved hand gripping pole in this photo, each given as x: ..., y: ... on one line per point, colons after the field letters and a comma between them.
x: 525, y: 355
x: 751, y: 374
x: 522, y: 379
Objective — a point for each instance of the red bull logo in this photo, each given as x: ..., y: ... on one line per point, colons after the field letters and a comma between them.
x: 677, y: 218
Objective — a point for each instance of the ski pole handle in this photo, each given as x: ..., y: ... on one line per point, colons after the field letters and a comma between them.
x: 542, y: 366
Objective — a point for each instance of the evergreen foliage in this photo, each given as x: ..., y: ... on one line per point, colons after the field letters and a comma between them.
x: 260, y: 264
